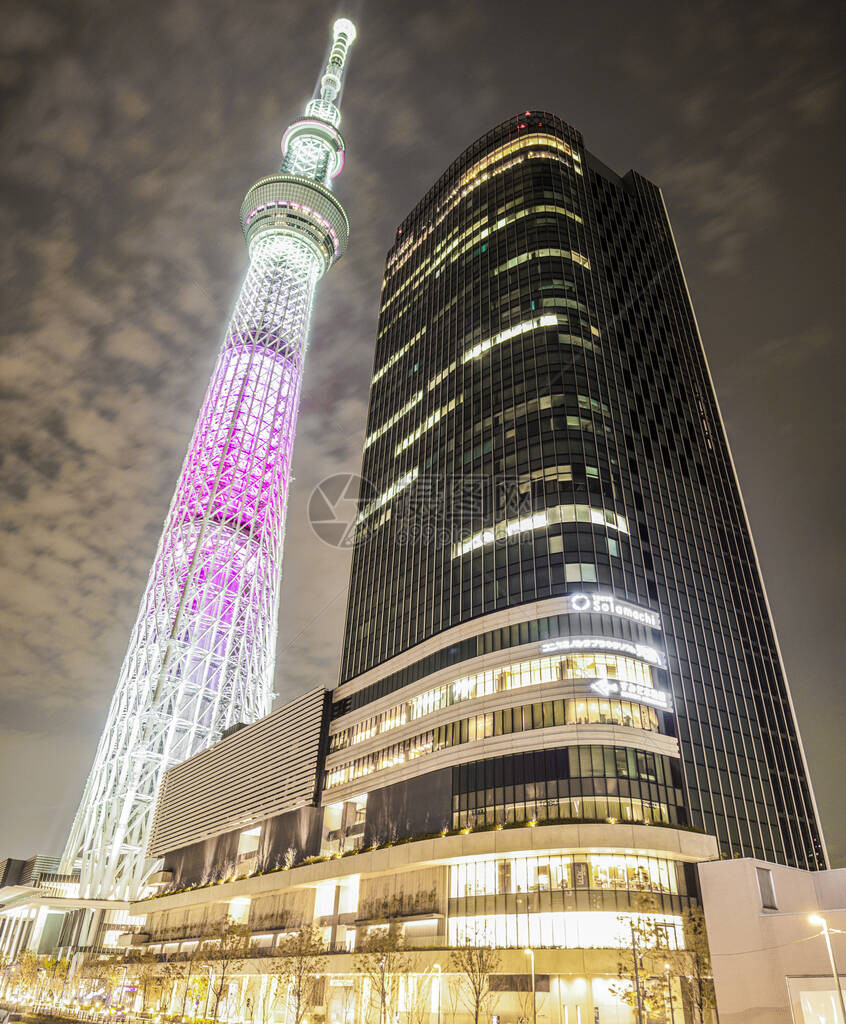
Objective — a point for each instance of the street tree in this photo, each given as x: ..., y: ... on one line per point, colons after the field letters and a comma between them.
x: 145, y: 971
x: 453, y: 999
x: 57, y: 975
x: 381, y: 961
x: 225, y: 949
x: 641, y: 982
x: 5, y: 972
x: 298, y: 968
x: 102, y: 975
x: 474, y: 966
x: 25, y: 971
x: 170, y: 974
x: 694, y: 965
x: 418, y: 997
x: 197, y: 989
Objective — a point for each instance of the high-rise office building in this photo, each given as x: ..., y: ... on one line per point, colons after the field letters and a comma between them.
x: 560, y: 688
x: 551, y: 502
x: 201, y: 654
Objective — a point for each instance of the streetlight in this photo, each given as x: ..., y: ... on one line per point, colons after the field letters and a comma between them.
x: 670, y: 993
x: 439, y: 969
x: 531, y: 953
x: 821, y: 921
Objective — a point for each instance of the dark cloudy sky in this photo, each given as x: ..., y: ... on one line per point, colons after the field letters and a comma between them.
x: 130, y: 133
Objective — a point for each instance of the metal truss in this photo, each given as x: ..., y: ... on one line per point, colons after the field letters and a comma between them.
x: 201, y: 653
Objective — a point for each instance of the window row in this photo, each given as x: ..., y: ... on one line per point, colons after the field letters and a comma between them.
x: 524, y: 718
x: 532, y: 630
x: 481, y: 173
x: 560, y: 930
x: 626, y: 809
x: 470, y: 237
x: 593, y: 665
x: 522, y: 874
x: 508, y: 528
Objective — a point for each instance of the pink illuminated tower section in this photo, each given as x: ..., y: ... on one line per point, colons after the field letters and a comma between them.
x: 201, y: 653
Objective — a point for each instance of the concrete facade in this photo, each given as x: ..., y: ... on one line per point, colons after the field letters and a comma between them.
x: 770, y: 962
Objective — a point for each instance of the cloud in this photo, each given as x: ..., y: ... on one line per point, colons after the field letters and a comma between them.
x: 131, y: 133
x: 730, y: 205
x: 121, y: 181
x: 740, y: 85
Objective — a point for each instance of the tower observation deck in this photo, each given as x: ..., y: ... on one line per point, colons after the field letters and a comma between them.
x: 201, y: 653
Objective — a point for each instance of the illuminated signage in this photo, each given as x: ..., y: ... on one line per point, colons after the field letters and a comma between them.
x: 605, y: 604
x: 633, y: 691
x: 581, y: 644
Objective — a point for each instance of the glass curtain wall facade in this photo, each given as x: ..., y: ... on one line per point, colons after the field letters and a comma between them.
x: 548, y: 477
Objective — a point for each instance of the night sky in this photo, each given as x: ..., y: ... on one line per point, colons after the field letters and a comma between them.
x: 130, y: 134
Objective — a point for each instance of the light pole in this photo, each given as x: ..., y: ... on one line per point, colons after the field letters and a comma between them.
x: 531, y: 953
x: 821, y: 921
x: 439, y: 969
x: 670, y: 993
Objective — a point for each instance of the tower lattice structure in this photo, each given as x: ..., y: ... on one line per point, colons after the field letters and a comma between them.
x: 201, y: 654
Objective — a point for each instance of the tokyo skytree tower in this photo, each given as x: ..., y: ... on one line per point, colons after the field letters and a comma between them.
x: 201, y: 654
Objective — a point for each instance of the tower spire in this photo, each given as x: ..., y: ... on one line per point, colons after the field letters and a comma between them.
x: 312, y: 147
x: 333, y: 77
x: 201, y: 653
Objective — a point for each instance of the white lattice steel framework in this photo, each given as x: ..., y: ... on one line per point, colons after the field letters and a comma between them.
x: 201, y: 654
